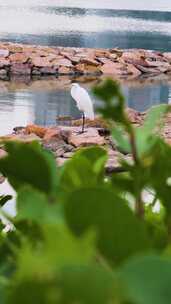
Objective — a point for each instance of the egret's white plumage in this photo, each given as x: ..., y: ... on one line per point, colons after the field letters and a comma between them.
x: 83, y: 100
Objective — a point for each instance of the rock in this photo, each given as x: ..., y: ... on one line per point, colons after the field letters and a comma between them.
x: 114, y: 68
x: 4, y: 52
x: 68, y: 154
x: 4, y: 62
x: 167, y: 55
x: 37, y: 130
x: 60, y: 161
x: 85, y: 68
x: 20, y: 137
x: 3, y: 74
x: 88, y: 138
x: 18, y: 58
x: 15, y: 48
x: 41, y: 62
x: 2, y: 179
x: 136, y: 57
x: 20, y: 69
x: 47, y: 71
x: 64, y: 63
x: 147, y: 70
x: 133, y: 70
x: 52, y: 133
x: 89, y: 61
x: 36, y: 71
x: 62, y: 70
x: 3, y: 153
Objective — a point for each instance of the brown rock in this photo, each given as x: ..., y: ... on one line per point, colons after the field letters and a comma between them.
x: 147, y: 70
x: 84, y: 68
x: 89, y: 61
x: 64, y: 63
x: 88, y: 138
x: 20, y: 69
x: 62, y: 70
x: 15, y: 48
x: 19, y: 58
x: 114, y: 68
x: 41, y: 62
x: 37, y: 130
x: 20, y: 137
x: 135, y: 57
x: 133, y: 70
x: 51, y: 133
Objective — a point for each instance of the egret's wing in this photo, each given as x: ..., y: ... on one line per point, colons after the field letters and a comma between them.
x: 84, y: 102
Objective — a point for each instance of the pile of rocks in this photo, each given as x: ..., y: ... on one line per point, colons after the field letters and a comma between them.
x: 19, y: 59
x: 63, y: 141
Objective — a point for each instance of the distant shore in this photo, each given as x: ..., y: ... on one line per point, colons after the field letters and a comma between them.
x: 31, y: 60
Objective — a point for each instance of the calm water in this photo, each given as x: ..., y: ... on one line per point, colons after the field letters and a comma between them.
x: 85, y: 23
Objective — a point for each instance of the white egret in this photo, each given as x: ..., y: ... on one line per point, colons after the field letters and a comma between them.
x: 83, y: 101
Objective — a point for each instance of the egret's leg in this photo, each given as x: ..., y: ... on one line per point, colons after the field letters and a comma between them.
x: 83, y: 123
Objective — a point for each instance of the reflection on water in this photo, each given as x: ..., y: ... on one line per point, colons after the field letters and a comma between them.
x: 33, y: 104
x: 67, y: 23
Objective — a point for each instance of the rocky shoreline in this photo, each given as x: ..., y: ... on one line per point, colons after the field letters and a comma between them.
x: 31, y: 60
x: 63, y: 141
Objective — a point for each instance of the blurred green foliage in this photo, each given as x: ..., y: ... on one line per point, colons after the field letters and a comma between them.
x: 81, y: 238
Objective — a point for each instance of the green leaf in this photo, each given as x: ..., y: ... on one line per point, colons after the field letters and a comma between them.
x: 35, y: 206
x: 29, y: 164
x: 145, y: 138
x: 87, y: 284
x: 122, y: 141
x: 148, y: 280
x: 85, y: 169
x: 120, y: 233
x: 155, y: 116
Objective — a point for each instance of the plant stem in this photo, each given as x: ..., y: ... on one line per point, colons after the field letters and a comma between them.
x: 139, y: 205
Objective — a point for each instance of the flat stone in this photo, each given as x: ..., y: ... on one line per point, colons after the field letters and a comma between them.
x: 64, y: 63
x: 18, y: 57
x: 88, y: 138
x: 4, y: 52
x: 148, y: 70
x: 89, y: 61
x: 20, y: 69
x: 41, y: 62
x: 114, y: 68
